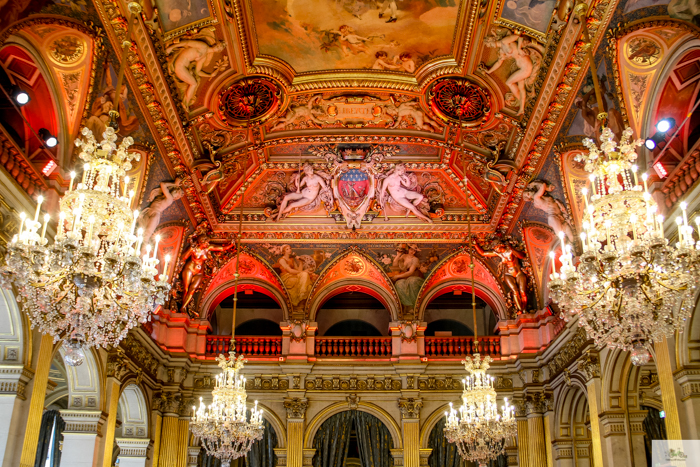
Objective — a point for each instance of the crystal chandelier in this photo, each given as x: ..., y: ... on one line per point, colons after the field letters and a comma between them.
x: 223, y: 427
x: 479, y: 431
x: 90, y: 287
x: 630, y: 288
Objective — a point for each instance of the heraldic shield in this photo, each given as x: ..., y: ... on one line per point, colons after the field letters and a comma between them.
x: 354, y: 189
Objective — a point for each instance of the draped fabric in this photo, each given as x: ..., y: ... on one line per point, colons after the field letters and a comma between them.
x: 262, y: 453
x: 444, y: 453
x: 50, y: 437
x: 373, y: 440
x: 654, y: 428
x: 332, y: 440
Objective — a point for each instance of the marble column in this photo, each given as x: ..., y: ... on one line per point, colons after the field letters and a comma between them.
x: 192, y: 456
x: 36, y: 404
x: 13, y: 410
x: 410, y: 424
x: 614, y: 439
x: 296, y: 413
x: 80, y: 437
x: 688, y: 380
x: 636, y: 419
x: 132, y: 451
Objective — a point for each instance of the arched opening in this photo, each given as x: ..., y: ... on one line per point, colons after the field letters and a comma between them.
x: 352, y: 438
x: 257, y: 314
x: 353, y: 311
x: 444, y: 453
x: 450, y: 314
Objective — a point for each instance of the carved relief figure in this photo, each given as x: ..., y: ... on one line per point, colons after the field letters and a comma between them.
x: 510, y: 272
x: 527, y: 58
x: 99, y: 114
x: 296, y: 275
x: 407, y: 274
x: 557, y: 216
x: 314, y: 186
x: 160, y: 199
x: 193, y: 270
x: 305, y: 111
x: 187, y: 58
x: 412, y: 109
x: 399, y: 186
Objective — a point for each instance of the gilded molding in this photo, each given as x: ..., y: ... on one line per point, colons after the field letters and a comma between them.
x: 590, y: 365
x: 568, y: 353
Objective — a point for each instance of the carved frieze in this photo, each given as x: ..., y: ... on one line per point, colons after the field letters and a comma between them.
x: 568, y: 353
x: 590, y: 365
x: 352, y: 383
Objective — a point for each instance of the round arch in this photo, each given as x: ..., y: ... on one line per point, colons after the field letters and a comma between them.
x: 276, y: 423
x: 355, y: 285
x: 134, y: 411
x: 367, y: 407
x: 223, y: 290
x: 482, y: 291
x: 15, y: 341
x: 84, y: 382
x: 430, y: 423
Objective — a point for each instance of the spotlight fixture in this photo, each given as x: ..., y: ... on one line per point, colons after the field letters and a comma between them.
x: 652, y: 142
x: 20, y: 97
x: 665, y: 124
x: 48, y: 139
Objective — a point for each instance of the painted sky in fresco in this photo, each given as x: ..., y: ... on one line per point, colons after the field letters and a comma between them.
x: 313, y: 35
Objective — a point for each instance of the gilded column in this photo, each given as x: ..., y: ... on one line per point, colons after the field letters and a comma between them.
x: 410, y: 421
x: 536, y: 405
x: 668, y: 390
x: 183, y: 431
x: 116, y: 367
x: 590, y: 366
x: 158, y: 420
x: 170, y: 432
x: 36, y: 404
x: 523, y: 437
x: 548, y: 423
x: 296, y: 412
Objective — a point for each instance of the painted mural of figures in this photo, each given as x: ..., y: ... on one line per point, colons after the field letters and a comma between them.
x: 406, y: 274
x: 405, y: 62
x: 381, y: 62
x: 160, y: 199
x: 351, y: 42
x: 295, y: 275
x: 526, y: 56
x: 398, y: 185
x: 187, y: 58
x: 557, y: 216
x: 309, y: 187
x: 589, y: 112
x: 510, y: 272
x: 388, y: 7
x: 193, y: 270
x: 99, y: 114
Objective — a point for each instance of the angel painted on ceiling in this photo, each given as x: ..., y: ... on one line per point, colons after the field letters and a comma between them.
x: 160, y: 199
x: 539, y: 192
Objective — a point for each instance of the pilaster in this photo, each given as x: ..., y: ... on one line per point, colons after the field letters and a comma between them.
x: 296, y: 414
x: 132, y: 451
x: 668, y: 391
x: 535, y: 407
x: 410, y: 423
x: 80, y: 437
x: 688, y: 380
x: 590, y: 367
x: 13, y: 409
x: 116, y: 368
x: 636, y: 423
x: 523, y: 436
x: 192, y: 456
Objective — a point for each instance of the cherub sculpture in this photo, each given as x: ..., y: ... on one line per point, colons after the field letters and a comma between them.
x: 411, y: 109
x: 510, y: 272
x: 160, y: 199
x: 538, y: 192
x: 193, y: 270
x: 527, y: 58
x: 307, y: 186
x: 301, y: 111
x: 400, y: 187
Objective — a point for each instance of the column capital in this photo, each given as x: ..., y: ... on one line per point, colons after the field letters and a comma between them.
x: 193, y: 455
x: 281, y: 454
x: 117, y: 364
x: 167, y: 402
x: 397, y: 455
x: 308, y: 457
x: 536, y: 404
x: 424, y: 455
x: 612, y: 424
x: 296, y: 407
x: 14, y: 379
x: 590, y: 365
x: 410, y: 407
x: 637, y: 421
x: 82, y: 421
x: 132, y: 447
x: 689, y: 381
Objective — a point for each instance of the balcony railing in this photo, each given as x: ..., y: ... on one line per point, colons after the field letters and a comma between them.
x: 353, y: 346
x: 459, y: 346
x: 249, y: 346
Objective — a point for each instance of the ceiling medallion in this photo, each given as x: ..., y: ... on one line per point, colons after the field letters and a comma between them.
x: 67, y: 49
x: 250, y: 100
x: 455, y: 100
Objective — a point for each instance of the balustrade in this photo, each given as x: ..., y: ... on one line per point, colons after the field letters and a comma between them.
x: 459, y: 346
x: 353, y: 346
x: 249, y: 346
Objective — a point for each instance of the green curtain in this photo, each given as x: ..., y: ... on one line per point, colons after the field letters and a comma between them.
x: 50, y: 435
x: 332, y: 440
x: 654, y: 428
x: 373, y: 440
x: 445, y: 454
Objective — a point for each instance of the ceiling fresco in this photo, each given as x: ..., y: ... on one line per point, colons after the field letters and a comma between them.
x: 333, y: 128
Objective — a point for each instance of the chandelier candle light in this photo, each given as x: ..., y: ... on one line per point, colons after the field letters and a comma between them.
x: 90, y: 287
x: 630, y: 287
x: 479, y: 431
x: 223, y: 427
